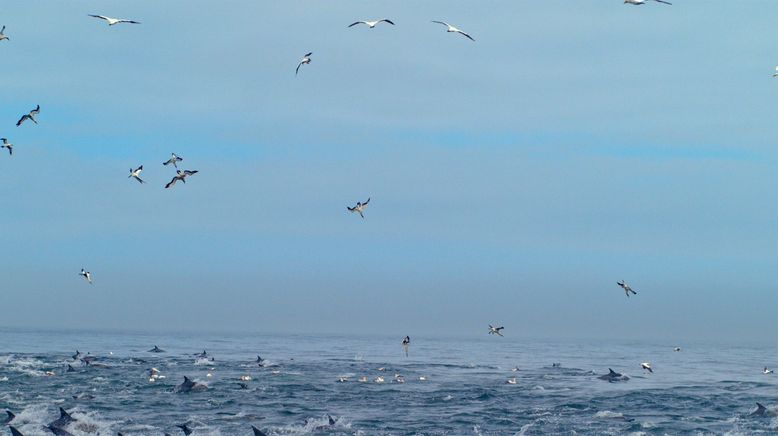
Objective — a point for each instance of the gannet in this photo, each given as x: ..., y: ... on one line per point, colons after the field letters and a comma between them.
x: 173, y: 160
x: 7, y: 145
x: 359, y: 208
x: 29, y: 116
x: 181, y: 175
x: 306, y: 60
x: 647, y: 366
x: 135, y: 173
x: 112, y: 21
x: 454, y: 29
x: 86, y: 275
x: 495, y: 330
x: 406, y: 344
x: 626, y: 288
x: 372, y: 24
x: 767, y: 371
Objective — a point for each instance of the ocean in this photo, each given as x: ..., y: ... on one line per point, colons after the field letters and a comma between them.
x: 452, y: 386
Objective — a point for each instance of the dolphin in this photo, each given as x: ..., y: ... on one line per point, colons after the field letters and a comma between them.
x: 613, y: 376
x: 260, y: 360
x: 9, y: 418
x: 330, y: 424
x: 762, y: 411
x: 188, y: 385
x: 96, y: 365
x: 187, y: 431
x: 14, y: 431
x: 70, y: 368
x: 63, y: 420
x: 203, y: 354
x: 258, y: 432
x: 58, y: 431
x: 156, y: 349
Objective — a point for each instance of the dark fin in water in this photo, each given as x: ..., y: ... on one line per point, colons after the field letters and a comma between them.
x: 332, y: 421
x: 14, y: 431
x: 10, y: 417
x: 70, y: 368
x: 760, y: 408
x: 612, y: 372
x: 258, y: 432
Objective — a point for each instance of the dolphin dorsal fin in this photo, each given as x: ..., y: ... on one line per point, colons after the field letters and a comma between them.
x: 611, y: 372
x: 186, y: 379
x: 10, y: 414
x: 65, y: 414
x: 331, y: 421
x: 258, y: 432
x: 14, y: 431
x: 759, y: 406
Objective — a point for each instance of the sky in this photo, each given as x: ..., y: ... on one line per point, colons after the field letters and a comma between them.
x: 513, y: 180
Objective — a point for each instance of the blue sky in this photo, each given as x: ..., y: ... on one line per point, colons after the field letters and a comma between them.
x: 513, y: 179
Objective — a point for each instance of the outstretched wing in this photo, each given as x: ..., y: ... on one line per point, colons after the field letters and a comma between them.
x: 442, y: 22
x: 465, y: 34
x: 387, y: 21
x: 354, y: 24
x: 102, y: 17
x: 172, y: 182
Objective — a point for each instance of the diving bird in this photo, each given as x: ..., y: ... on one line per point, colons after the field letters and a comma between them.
x: 7, y: 145
x: 135, y: 173
x: 173, y: 160
x: 626, y: 288
x: 372, y: 24
x: 406, y: 344
x: 642, y: 2
x: 306, y: 60
x: 86, y: 275
x: 181, y: 175
x: 454, y: 29
x: 29, y: 116
x: 495, y: 330
x: 2, y: 34
x: 647, y: 366
x: 359, y: 208
x: 111, y: 21
x: 767, y: 371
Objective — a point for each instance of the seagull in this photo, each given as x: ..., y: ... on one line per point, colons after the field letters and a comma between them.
x: 173, y: 160
x: 2, y: 34
x: 306, y: 60
x: 180, y: 175
x: 87, y: 275
x: 495, y: 330
x: 767, y: 371
x: 7, y: 145
x: 642, y: 2
x: 647, y: 367
x: 359, y: 208
x: 372, y: 24
x: 112, y: 21
x: 135, y: 173
x: 29, y: 116
x: 626, y: 287
x: 454, y: 29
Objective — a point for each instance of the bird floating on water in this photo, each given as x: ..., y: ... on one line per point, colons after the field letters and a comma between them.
x: 2, y: 34
x: 7, y: 145
x: 111, y: 21
x: 306, y: 60
x: 86, y: 275
x: 677, y: 349
x: 512, y: 381
x: 372, y: 24
x: 174, y: 159
x: 135, y: 173
x: 359, y: 208
x: 29, y: 116
x: 626, y: 287
x: 647, y: 366
x: 181, y: 175
x: 495, y: 330
x: 454, y: 29
x: 642, y: 2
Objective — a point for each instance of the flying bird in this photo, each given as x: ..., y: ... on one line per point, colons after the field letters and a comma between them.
x: 372, y: 24
x: 29, y: 116
x: 495, y: 330
x: 135, y: 174
x: 359, y: 208
x: 86, y: 275
x: 642, y: 2
x: 306, y: 60
x: 626, y: 288
x: 7, y: 145
x: 647, y: 367
x: 2, y: 34
x: 766, y: 371
x: 776, y: 72
x: 174, y: 159
x: 454, y: 29
x: 111, y: 21
x: 181, y: 175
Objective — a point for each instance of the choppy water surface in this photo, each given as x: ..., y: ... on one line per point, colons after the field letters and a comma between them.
x: 702, y: 389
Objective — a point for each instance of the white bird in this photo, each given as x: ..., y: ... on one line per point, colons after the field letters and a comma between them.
x: 372, y: 24
x: 111, y: 21
x: 642, y: 2
x: 647, y: 366
x: 7, y: 145
x: 29, y: 116
x: 495, y: 330
x: 2, y: 34
x: 86, y: 275
x: 174, y: 159
x: 135, y: 173
x: 512, y: 381
x: 454, y: 29
x: 677, y: 349
x: 626, y: 287
x: 379, y: 379
x: 181, y: 175
x: 306, y: 60
x: 776, y: 73
x: 359, y: 208
x: 767, y: 371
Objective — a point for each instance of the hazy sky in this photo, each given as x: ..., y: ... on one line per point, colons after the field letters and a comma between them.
x: 513, y: 179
